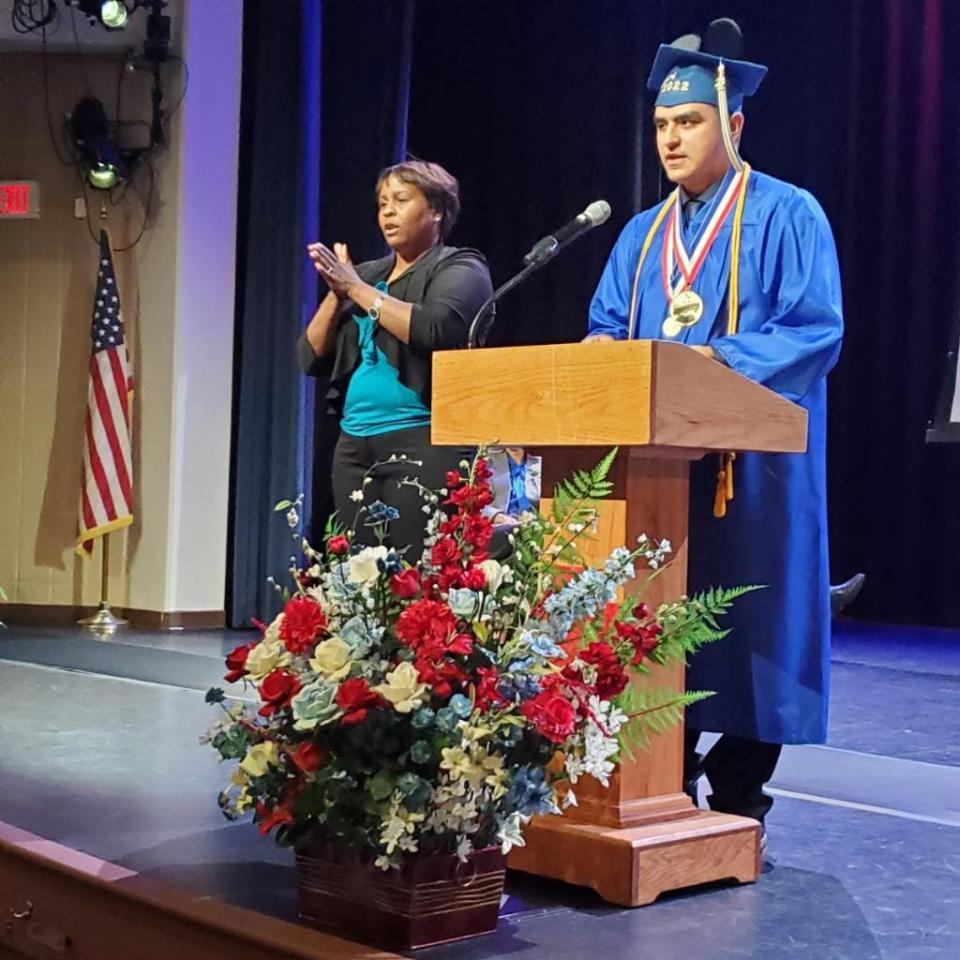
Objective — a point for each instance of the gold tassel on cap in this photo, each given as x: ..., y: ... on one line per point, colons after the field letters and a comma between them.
x: 724, y: 492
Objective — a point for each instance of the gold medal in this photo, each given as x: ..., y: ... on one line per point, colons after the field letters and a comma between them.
x: 671, y: 328
x: 686, y: 308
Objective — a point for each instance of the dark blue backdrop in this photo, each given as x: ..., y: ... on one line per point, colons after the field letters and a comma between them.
x: 538, y: 107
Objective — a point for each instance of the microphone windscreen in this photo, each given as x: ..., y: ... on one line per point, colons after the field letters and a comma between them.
x: 598, y: 212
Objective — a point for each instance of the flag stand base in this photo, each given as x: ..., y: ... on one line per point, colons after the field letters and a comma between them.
x: 103, y: 621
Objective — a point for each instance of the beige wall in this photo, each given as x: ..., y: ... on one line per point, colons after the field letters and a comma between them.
x: 47, y: 268
x: 177, y: 289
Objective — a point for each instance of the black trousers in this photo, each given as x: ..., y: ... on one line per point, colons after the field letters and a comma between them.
x: 737, y: 769
x: 354, y: 456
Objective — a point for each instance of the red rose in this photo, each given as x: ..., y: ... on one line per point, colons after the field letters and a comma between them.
x: 611, y: 677
x: 237, y: 662
x: 308, y: 757
x: 355, y: 698
x: 444, y: 551
x: 475, y: 579
x: 277, y: 690
x: 301, y: 625
x: 406, y: 583
x: 338, y: 545
x: 552, y: 714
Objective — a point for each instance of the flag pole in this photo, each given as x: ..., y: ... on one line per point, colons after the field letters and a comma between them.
x: 104, y: 620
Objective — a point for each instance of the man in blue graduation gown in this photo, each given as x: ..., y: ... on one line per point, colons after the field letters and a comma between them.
x: 743, y: 268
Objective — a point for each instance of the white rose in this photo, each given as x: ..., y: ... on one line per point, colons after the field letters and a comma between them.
x: 272, y: 633
x: 265, y: 657
x: 496, y: 573
x: 363, y: 565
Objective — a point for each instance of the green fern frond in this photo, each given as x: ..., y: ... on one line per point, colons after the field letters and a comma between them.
x: 582, y: 489
x: 653, y: 712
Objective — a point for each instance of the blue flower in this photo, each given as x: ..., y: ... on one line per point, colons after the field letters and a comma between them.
x: 390, y: 564
x: 518, y: 685
x: 423, y: 718
x: 379, y: 512
x: 461, y: 705
x: 447, y: 720
x: 529, y: 793
x: 543, y: 646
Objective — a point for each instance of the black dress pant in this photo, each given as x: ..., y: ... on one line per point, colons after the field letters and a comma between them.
x: 353, y: 457
x: 738, y: 769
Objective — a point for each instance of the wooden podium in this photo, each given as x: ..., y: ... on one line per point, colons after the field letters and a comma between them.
x: 664, y: 405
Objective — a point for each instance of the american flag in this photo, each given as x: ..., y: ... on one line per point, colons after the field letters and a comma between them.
x: 106, y: 500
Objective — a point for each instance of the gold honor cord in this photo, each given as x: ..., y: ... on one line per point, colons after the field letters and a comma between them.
x: 651, y: 233
x: 724, y: 491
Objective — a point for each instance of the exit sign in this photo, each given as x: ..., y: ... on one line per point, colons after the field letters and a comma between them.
x: 19, y: 200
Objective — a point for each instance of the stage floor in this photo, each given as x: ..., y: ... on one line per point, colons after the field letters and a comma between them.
x: 100, y: 753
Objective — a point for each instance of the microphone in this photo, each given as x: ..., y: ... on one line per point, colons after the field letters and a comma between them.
x: 598, y: 212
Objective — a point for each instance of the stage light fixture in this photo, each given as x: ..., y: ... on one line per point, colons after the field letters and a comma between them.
x: 94, y: 142
x: 113, y: 14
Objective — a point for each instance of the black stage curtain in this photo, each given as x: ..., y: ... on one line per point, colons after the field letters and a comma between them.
x: 539, y: 107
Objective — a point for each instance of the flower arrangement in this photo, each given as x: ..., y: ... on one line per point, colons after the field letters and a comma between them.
x: 434, y: 706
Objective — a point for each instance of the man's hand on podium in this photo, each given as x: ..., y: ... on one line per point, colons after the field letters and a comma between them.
x: 598, y: 338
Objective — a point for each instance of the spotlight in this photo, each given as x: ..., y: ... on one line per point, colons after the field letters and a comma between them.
x: 113, y: 14
x: 97, y: 147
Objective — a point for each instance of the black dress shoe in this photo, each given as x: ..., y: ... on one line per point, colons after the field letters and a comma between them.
x: 843, y: 594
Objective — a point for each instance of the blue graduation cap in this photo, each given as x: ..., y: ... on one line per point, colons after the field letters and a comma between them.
x: 685, y: 71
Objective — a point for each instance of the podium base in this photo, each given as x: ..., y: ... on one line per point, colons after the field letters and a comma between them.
x: 633, y: 866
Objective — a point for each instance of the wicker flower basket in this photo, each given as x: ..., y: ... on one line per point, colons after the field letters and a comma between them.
x: 430, y: 900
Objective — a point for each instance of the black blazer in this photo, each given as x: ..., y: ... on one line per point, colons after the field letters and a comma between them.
x: 447, y: 286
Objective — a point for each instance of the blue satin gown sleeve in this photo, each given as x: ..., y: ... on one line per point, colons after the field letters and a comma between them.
x: 611, y: 300
x: 799, y: 340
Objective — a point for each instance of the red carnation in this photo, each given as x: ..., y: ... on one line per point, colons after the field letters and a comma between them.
x: 277, y: 690
x: 237, y: 662
x: 406, y: 583
x: 338, y: 545
x: 355, y: 698
x: 426, y: 626
x: 301, y: 625
x: 552, y: 714
x: 475, y: 579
